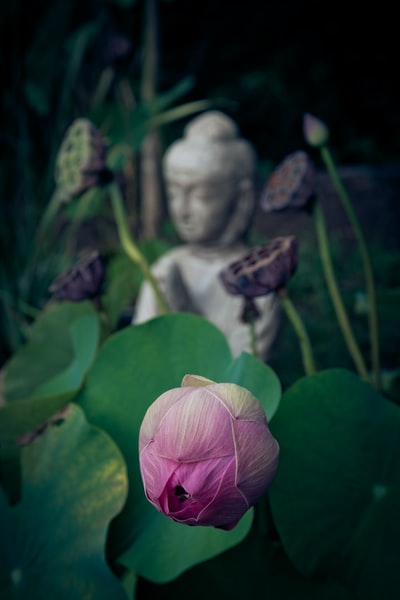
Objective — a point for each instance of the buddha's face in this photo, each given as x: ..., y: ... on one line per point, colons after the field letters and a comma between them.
x: 200, y: 205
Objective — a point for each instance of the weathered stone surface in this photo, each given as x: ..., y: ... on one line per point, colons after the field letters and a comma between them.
x: 210, y: 179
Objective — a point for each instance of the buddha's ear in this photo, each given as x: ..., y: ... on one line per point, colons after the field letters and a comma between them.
x: 243, y: 213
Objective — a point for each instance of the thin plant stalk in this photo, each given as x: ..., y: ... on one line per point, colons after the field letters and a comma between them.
x: 334, y: 292
x: 369, y: 277
x: 253, y: 337
x: 301, y: 332
x: 130, y: 246
x: 49, y: 215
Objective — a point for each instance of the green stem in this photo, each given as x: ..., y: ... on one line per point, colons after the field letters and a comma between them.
x: 49, y: 215
x: 298, y: 326
x: 369, y: 278
x: 130, y: 247
x: 336, y: 298
x: 44, y: 239
x: 253, y: 337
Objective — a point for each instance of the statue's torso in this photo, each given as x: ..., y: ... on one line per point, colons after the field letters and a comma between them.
x: 199, y: 290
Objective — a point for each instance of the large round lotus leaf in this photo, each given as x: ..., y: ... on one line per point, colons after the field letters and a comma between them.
x: 53, y: 347
x: 131, y: 370
x: 49, y: 370
x: 52, y: 542
x: 336, y: 497
x: 166, y: 549
x: 256, y: 568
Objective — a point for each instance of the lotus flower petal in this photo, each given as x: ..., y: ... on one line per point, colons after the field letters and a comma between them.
x: 157, y: 471
x: 155, y: 414
x: 191, y: 490
x: 196, y: 428
x: 240, y: 403
x: 257, y: 462
x: 228, y: 505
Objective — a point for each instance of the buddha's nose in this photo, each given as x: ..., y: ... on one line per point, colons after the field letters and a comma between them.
x: 185, y: 208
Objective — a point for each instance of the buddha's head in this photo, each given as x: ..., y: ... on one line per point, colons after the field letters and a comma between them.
x: 210, y: 179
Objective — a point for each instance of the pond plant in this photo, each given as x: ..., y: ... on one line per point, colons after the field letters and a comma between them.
x: 146, y: 461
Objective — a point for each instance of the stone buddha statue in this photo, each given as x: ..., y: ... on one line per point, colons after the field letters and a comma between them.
x: 210, y: 183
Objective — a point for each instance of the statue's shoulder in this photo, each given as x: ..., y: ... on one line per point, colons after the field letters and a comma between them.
x: 173, y: 256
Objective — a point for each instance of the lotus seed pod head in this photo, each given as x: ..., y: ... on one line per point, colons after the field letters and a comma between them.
x: 81, y: 159
x: 206, y: 453
x: 316, y: 133
x: 262, y: 269
x: 83, y: 281
x: 291, y: 184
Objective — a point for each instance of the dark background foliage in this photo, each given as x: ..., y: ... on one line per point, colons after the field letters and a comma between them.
x: 277, y: 60
x: 268, y: 62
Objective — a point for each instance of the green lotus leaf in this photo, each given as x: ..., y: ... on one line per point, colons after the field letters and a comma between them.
x: 62, y: 343
x: 256, y: 568
x: 336, y: 497
x: 52, y: 544
x: 165, y: 549
x: 134, y: 367
x: 49, y: 370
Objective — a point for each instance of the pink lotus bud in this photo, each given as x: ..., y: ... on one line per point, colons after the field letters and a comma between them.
x: 316, y: 133
x: 206, y: 453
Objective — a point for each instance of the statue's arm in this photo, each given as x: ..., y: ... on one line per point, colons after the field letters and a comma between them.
x: 170, y: 281
x: 269, y: 325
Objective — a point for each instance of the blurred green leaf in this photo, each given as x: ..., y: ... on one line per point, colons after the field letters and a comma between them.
x: 132, y: 369
x: 165, y: 99
x: 166, y: 549
x: 255, y: 568
x: 129, y: 582
x: 119, y: 155
x: 49, y: 370
x: 122, y: 283
x: 62, y: 343
x: 176, y: 113
x: 23, y: 416
x: 336, y: 497
x: 87, y: 206
x: 52, y: 543
x: 123, y: 279
x: 388, y: 302
x: 85, y: 337
x: 37, y: 96
x: 391, y: 384
x: 45, y: 54
x: 125, y: 128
